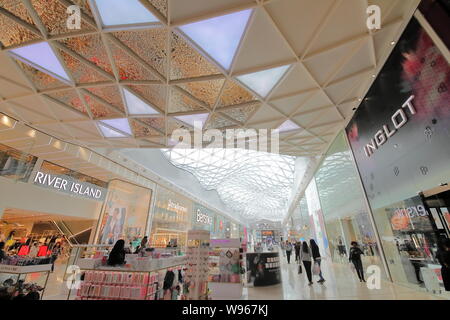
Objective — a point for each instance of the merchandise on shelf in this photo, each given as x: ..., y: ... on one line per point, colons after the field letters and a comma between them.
x: 197, y: 265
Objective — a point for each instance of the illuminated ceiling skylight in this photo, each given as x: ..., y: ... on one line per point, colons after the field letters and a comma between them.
x: 41, y: 56
x: 288, y: 125
x: 120, y: 124
x: 123, y: 12
x: 194, y: 119
x: 110, y: 133
x: 262, y: 82
x: 251, y: 183
x: 136, y: 106
x: 219, y: 36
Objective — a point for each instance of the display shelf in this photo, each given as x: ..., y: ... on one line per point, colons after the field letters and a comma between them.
x: 197, y: 264
x: 225, y: 264
x: 20, y: 270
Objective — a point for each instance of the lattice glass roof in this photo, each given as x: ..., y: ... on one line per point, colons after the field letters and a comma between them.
x: 251, y: 183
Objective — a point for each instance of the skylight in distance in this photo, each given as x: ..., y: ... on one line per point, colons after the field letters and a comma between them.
x: 41, y: 56
x: 262, y: 82
x: 220, y: 36
x: 123, y: 12
x: 136, y: 106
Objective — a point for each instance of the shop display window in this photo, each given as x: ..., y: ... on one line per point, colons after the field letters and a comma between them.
x: 15, y: 164
x: 172, y: 218
x: 345, y: 213
x: 125, y: 213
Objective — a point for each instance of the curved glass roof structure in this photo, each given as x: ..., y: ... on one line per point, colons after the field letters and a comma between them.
x: 252, y: 183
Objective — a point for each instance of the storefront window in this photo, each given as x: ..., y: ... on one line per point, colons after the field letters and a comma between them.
x: 171, y: 219
x: 343, y: 206
x: 203, y: 219
x: 15, y: 164
x: 400, y: 138
x: 125, y: 213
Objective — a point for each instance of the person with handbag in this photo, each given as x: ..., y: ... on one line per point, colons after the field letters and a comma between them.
x: 305, y: 257
x: 288, y: 251
x: 354, y: 257
x: 317, y: 259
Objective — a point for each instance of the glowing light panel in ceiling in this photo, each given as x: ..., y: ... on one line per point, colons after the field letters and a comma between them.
x: 123, y: 12
x: 136, y: 106
x: 220, y: 36
x: 288, y: 125
x: 194, y: 119
x: 110, y: 133
x: 41, y: 56
x: 262, y: 82
x: 120, y: 124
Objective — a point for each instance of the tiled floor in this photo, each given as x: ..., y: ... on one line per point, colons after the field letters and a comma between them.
x: 341, y: 284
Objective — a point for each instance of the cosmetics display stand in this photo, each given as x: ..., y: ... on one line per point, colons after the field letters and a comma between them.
x: 140, y: 280
x: 24, y: 270
x: 197, y: 264
x: 225, y: 265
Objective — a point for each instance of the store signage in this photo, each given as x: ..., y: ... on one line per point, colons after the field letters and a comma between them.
x: 69, y: 185
x: 175, y: 206
x: 398, y: 120
x: 203, y: 218
x: 412, y: 212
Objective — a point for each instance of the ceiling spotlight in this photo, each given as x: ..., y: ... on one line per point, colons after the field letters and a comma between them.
x: 373, y: 76
x: 392, y: 43
x: 359, y: 99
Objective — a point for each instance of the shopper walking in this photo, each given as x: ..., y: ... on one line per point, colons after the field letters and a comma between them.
x: 443, y: 256
x: 288, y: 251
x: 297, y: 250
x: 56, y: 251
x: 316, y: 257
x: 283, y: 248
x: 354, y: 257
x: 117, y: 255
x: 3, y: 255
x: 305, y: 257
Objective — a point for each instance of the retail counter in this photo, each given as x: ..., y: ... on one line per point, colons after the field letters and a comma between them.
x: 263, y: 268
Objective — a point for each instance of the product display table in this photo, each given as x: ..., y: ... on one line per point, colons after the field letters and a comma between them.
x: 263, y: 269
x: 20, y: 270
x: 136, y: 278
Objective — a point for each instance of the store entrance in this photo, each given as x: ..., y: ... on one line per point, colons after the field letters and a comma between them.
x: 437, y: 203
x: 21, y: 230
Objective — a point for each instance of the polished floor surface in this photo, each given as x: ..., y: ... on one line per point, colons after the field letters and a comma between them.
x: 341, y: 284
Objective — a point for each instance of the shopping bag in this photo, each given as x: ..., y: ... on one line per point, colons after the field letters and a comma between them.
x: 316, y: 269
x: 299, y: 268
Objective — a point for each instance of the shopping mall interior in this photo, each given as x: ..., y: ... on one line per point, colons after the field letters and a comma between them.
x: 224, y: 150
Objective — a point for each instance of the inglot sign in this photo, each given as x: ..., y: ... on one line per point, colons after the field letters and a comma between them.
x: 70, y: 185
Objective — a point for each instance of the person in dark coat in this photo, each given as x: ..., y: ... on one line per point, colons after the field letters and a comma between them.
x: 354, y: 257
x: 297, y: 250
x: 443, y: 256
x: 117, y: 255
x: 316, y: 257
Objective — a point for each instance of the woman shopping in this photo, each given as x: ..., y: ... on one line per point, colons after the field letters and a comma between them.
x: 288, y: 251
x: 355, y: 258
x: 305, y: 257
x: 317, y: 258
x: 117, y: 255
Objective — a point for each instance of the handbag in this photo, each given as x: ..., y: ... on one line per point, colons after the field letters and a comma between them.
x: 316, y: 269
